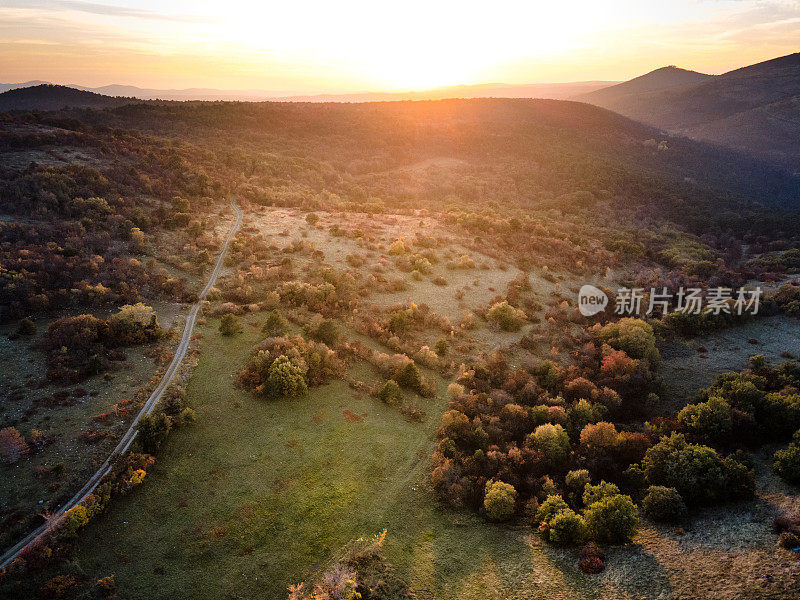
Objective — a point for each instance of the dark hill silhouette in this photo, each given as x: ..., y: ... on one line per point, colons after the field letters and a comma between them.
x: 55, y: 97
x: 753, y: 109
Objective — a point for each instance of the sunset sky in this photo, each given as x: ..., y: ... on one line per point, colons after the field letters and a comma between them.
x: 304, y: 46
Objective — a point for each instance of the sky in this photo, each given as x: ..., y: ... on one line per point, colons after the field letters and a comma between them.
x: 339, y: 46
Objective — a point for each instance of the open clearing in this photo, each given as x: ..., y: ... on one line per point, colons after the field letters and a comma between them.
x: 260, y: 494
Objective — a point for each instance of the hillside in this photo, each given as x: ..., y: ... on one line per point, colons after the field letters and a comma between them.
x: 55, y: 97
x: 750, y: 109
x: 628, y: 92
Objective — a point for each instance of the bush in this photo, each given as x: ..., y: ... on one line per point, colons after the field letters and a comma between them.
x: 390, y: 393
x: 327, y: 332
x: 663, y: 504
x: 575, y: 482
x: 230, y: 325
x: 787, y: 464
x: 553, y: 441
x: 505, y: 316
x: 275, y: 324
x: 286, y: 379
x: 12, y: 445
x: 551, y: 506
x: 591, y: 565
x: 595, y: 493
x: 709, y: 420
x: 696, y: 471
x: 612, y: 520
x: 566, y: 528
x: 25, y: 328
x: 632, y: 335
x: 153, y: 430
x: 499, y: 501
x: 442, y: 347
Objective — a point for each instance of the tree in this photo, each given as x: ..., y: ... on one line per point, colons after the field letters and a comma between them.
x: 286, y: 378
x: 696, y: 471
x: 275, y: 324
x: 551, y: 506
x: 230, y: 325
x: 327, y: 332
x: 500, y: 500
x: 595, y: 493
x: 663, y: 504
x: 505, y: 316
x: 553, y: 441
x: 612, y: 520
x: 390, y: 393
x: 12, y: 445
x: 709, y: 420
x: 575, y: 482
x: 787, y: 463
x: 153, y: 430
x: 566, y: 528
x: 634, y: 336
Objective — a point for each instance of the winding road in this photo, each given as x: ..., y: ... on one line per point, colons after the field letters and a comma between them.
x: 125, y: 443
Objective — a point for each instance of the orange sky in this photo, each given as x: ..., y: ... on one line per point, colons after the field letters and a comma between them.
x: 358, y: 45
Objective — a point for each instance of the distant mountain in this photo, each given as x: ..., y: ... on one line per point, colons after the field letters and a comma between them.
x: 4, y: 87
x: 654, y: 81
x: 556, y: 91
x: 55, y: 97
x: 753, y: 109
x: 552, y: 91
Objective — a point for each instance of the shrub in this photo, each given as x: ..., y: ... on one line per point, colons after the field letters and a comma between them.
x: 442, y: 347
x: 709, y: 420
x: 612, y: 520
x: 696, y: 471
x: 12, y: 445
x: 566, y: 528
x: 229, y: 325
x: 575, y: 482
x: 553, y: 441
x: 634, y: 336
x: 551, y: 506
x: 505, y: 316
x: 595, y: 493
x: 327, y: 332
x: 153, y: 430
x: 25, y: 328
x: 591, y: 565
x: 499, y: 501
x: 455, y: 389
x: 286, y: 379
x: 663, y: 504
x: 787, y: 464
x: 275, y: 324
x: 390, y: 393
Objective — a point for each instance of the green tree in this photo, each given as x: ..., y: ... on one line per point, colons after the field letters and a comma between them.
x: 500, y: 500
x: 275, y: 325
x: 286, y: 378
x: 553, y: 441
x: 153, y: 430
x: 612, y: 520
x: 229, y: 325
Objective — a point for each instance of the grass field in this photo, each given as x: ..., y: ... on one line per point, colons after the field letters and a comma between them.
x: 260, y: 494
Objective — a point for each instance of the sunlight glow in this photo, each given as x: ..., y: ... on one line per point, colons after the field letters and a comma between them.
x: 358, y: 45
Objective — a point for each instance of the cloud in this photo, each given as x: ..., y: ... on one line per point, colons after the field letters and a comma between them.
x: 99, y: 8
